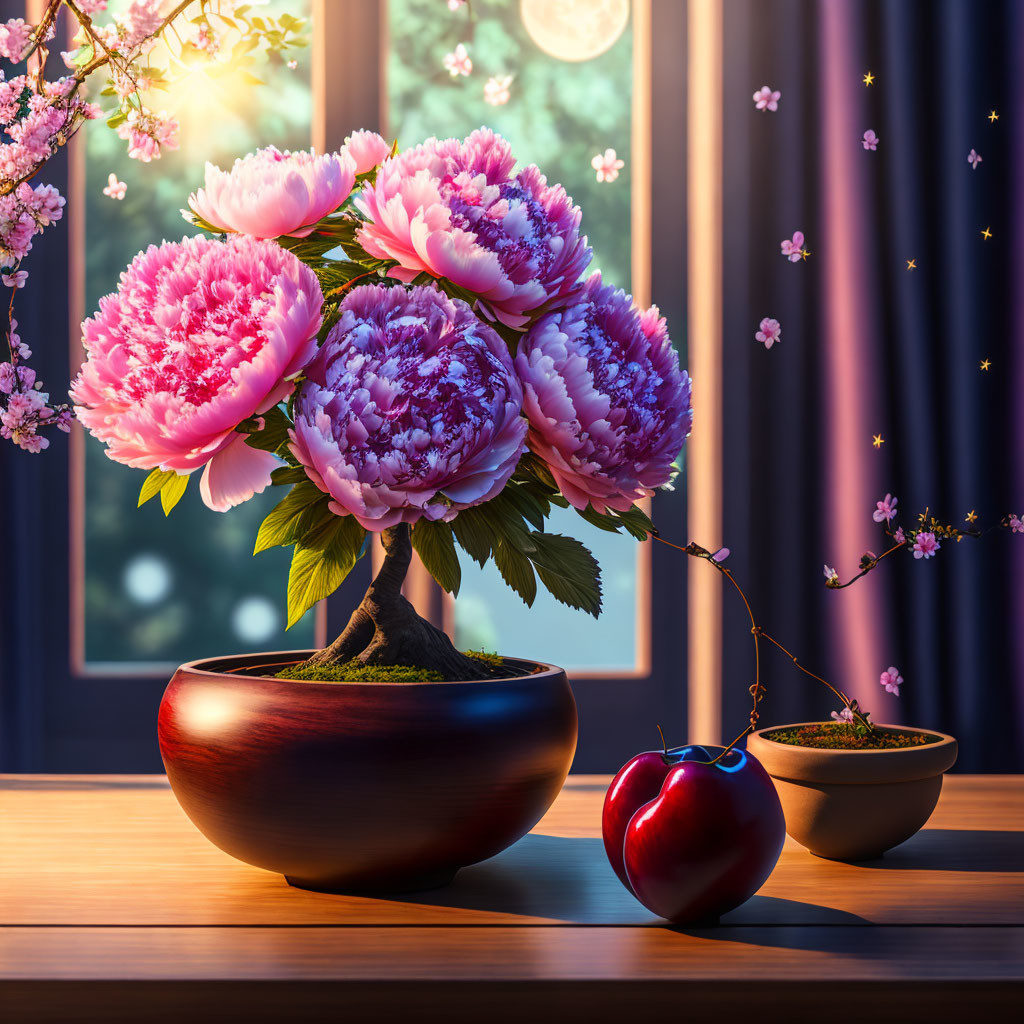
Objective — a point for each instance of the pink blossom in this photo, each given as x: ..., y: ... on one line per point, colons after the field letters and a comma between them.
x: 292, y: 65
x: 899, y: 536
x: 1016, y: 524
x: 607, y: 165
x: 846, y: 715
x: 974, y: 158
x: 138, y: 22
x: 15, y: 36
x: 925, y: 545
x: 454, y: 5
x: 15, y: 280
x: 793, y: 248
x: 870, y: 140
x: 200, y: 336
x: 456, y: 210
x: 458, y: 62
x: 497, y: 91
x: 269, y: 193
x: 885, y: 510
x: 367, y: 150
x: 770, y: 332
x: 891, y: 680
x: 148, y: 135
x: 92, y: 6
x: 608, y: 405
x: 20, y: 378
x: 765, y: 99
x: 410, y: 410
x: 830, y: 573
x: 26, y: 411
x: 115, y: 189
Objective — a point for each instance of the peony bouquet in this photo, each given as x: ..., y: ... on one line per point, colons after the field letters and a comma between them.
x: 407, y: 342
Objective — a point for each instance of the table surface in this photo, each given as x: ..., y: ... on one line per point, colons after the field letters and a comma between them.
x: 112, y: 902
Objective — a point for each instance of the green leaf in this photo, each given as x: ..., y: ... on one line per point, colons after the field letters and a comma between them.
x: 274, y: 434
x: 287, y: 475
x: 436, y: 548
x: 532, y: 506
x: 569, y: 571
x: 117, y: 118
x: 634, y: 521
x: 153, y: 484
x: 473, y: 534
x: 173, y: 491
x: 318, y: 570
x: 516, y: 570
x: 293, y: 516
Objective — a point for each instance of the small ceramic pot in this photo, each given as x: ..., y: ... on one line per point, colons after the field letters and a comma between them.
x: 854, y: 804
x: 388, y: 787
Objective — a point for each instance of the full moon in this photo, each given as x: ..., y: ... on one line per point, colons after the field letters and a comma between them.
x: 574, y: 30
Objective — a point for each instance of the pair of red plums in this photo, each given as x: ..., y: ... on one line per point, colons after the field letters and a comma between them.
x: 692, y: 839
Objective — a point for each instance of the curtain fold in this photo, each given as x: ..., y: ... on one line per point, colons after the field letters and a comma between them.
x: 870, y: 347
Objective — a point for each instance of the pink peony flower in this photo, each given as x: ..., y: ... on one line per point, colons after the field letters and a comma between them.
x: 607, y: 165
x: 885, y: 510
x: 609, y: 407
x: 870, y: 140
x: 455, y: 209
x: 115, y: 189
x: 891, y: 680
x: 458, y: 62
x: 770, y: 332
x: 765, y: 99
x: 269, y: 193
x: 793, y: 248
x: 925, y: 545
x: 200, y: 335
x: 367, y: 150
x: 410, y: 410
x: 974, y: 158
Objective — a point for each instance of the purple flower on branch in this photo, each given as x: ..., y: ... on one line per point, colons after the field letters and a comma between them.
x: 846, y: 715
x: 793, y: 248
x: 885, y: 510
x: 974, y: 158
x: 925, y: 545
x: 870, y: 140
x: 767, y: 99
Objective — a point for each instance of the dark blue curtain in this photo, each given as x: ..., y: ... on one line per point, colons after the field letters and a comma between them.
x: 870, y: 347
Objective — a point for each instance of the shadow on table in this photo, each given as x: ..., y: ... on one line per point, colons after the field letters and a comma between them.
x: 569, y: 880
x: 946, y: 849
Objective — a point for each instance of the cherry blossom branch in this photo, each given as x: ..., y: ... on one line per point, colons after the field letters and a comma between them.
x: 757, y: 691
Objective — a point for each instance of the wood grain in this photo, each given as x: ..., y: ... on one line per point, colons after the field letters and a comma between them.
x: 122, y: 853
x: 114, y: 908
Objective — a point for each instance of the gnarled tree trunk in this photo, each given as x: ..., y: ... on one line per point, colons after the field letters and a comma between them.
x: 386, y: 630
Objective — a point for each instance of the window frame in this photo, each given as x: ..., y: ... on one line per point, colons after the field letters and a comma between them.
x: 56, y: 717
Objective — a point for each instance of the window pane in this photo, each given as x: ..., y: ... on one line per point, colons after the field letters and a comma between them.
x: 161, y: 591
x: 559, y: 114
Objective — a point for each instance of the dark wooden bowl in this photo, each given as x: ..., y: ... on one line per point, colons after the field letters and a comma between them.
x: 347, y: 787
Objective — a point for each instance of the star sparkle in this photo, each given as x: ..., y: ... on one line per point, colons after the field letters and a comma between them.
x: 911, y: 264
x: 985, y: 364
x: 993, y: 117
x: 971, y: 517
x: 869, y: 78
x: 986, y: 234
x: 804, y: 253
x: 877, y: 440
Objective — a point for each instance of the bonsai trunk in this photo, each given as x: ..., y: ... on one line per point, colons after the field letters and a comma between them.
x: 385, y: 629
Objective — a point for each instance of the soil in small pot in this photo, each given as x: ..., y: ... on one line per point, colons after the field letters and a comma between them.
x: 841, y: 736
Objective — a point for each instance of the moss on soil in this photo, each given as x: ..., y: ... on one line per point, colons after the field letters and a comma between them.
x: 840, y: 736
x: 357, y: 672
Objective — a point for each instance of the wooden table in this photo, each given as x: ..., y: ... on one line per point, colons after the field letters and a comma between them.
x: 114, y: 908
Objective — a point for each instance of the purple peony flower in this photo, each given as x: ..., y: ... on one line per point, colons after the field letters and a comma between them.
x: 609, y: 407
x: 456, y: 210
x: 410, y: 410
